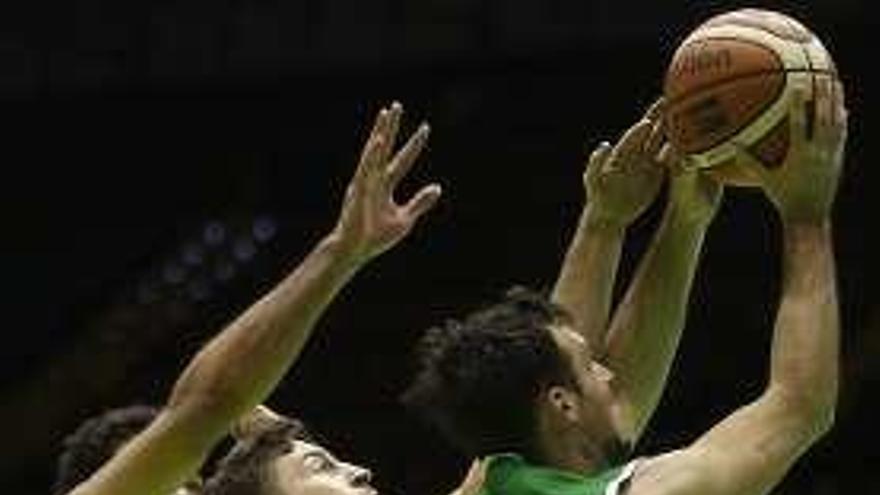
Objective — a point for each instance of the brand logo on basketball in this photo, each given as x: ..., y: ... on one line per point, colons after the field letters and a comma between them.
x: 702, y: 59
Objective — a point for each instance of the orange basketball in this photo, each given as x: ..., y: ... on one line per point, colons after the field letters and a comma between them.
x: 729, y: 84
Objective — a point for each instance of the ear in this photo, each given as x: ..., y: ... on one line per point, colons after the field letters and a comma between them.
x: 564, y: 402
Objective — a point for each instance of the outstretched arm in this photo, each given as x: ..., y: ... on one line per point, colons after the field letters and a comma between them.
x: 798, y: 404
x: 647, y: 326
x: 239, y: 368
x: 620, y: 182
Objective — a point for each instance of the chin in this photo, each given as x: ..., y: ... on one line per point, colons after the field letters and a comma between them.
x: 617, y: 451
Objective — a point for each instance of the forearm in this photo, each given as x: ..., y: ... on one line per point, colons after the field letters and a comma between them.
x: 804, y: 360
x: 239, y: 368
x: 648, y: 324
x: 586, y: 281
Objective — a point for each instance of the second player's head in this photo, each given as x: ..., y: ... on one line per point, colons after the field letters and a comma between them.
x: 275, y: 455
x: 515, y: 377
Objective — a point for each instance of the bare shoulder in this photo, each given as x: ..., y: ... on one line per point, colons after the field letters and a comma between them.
x: 673, y: 473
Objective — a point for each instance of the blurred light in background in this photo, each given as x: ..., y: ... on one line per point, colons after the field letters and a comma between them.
x: 199, y: 289
x: 264, y: 228
x: 243, y: 249
x: 214, y: 233
x: 193, y: 254
x: 224, y: 270
x: 216, y: 255
x: 173, y: 273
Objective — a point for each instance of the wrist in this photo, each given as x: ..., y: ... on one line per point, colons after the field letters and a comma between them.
x: 804, y: 219
x: 799, y: 228
x: 344, y: 252
x: 686, y: 217
x: 601, y: 220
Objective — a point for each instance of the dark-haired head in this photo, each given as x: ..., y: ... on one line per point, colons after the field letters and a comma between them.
x: 95, y: 441
x: 276, y: 455
x: 514, y: 377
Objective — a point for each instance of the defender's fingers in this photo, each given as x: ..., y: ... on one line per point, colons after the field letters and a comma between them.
x: 390, y: 131
x: 370, y: 158
x: 370, y: 149
x: 423, y: 201
x: 379, y: 123
x: 406, y: 157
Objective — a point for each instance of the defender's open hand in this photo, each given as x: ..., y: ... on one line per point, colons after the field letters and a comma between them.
x: 371, y: 221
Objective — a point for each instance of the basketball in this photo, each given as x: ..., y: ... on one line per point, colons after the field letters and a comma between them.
x: 729, y: 84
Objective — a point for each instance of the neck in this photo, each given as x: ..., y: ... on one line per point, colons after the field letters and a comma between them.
x: 568, y: 451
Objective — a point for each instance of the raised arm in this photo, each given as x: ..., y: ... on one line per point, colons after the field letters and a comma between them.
x: 798, y: 404
x: 620, y: 182
x: 239, y: 368
x: 647, y: 326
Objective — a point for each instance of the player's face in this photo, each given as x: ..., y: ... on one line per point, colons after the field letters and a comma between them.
x: 310, y: 469
x: 598, y: 417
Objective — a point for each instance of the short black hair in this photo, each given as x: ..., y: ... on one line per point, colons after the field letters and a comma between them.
x: 244, y: 470
x: 479, y: 379
x: 95, y: 442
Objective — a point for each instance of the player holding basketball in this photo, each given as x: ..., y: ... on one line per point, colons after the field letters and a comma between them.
x: 554, y: 405
x: 240, y: 367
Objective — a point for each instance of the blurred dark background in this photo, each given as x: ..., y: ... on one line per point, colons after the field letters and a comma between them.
x: 168, y: 162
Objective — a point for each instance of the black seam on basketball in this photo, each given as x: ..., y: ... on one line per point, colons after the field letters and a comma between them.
x: 738, y: 129
x: 744, y: 75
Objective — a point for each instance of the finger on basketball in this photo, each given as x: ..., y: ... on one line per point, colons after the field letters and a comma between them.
x: 655, y: 139
x: 797, y: 114
x: 655, y: 111
x: 599, y: 156
x: 823, y: 103
x: 631, y: 144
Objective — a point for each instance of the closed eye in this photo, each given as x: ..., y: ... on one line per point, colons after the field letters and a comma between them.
x: 318, y: 462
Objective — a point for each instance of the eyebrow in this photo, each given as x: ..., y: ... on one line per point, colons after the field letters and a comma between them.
x: 318, y: 453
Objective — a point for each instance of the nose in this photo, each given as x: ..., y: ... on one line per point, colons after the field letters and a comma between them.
x: 360, y: 476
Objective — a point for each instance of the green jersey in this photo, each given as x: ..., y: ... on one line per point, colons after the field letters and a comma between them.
x: 510, y: 474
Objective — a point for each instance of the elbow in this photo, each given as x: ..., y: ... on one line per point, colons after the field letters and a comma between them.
x: 823, y: 419
x: 814, y: 412
x: 205, y: 398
